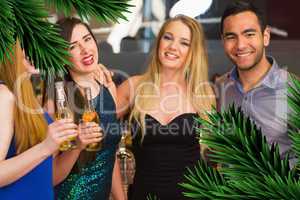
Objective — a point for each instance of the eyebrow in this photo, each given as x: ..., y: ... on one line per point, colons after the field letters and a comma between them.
x: 228, y: 34
x: 182, y: 38
x: 187, y: 40
x: 85, y: 36
x: 245, y: 31
x: 249, y: 30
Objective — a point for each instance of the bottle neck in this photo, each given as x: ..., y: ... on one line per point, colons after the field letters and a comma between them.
x: 61, y: 104
x: 61, y: 99
x: 89, y: 105
x: 88, y: 98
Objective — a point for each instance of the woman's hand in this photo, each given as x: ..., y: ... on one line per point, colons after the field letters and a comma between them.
x: 89, y: 132
x: 58, y: 132
x: 103, y: 75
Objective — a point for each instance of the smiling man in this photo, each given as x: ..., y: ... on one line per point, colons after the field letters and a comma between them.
x: 256, y: 83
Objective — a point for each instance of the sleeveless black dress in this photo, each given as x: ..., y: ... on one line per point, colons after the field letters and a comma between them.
x: 162, y: 157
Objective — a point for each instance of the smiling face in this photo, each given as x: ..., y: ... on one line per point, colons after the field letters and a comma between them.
x: 244, y: 41
x: 174, y: 45
x: 83, y: 50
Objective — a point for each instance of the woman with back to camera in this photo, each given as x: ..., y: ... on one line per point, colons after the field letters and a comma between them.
x: 27, y: 143
x: 163, y: 103
x: 95, y: 174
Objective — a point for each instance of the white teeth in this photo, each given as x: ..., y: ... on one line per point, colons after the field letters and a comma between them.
x: 87, y: 59
x: 171, y: 55
x: 243, y: 54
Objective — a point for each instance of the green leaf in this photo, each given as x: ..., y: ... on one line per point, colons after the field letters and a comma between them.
x: 27, y: 20
x: 7, y: 29
x: 268, y: 187
x: 102, y: 10
x: 203, y: 182
x: 294, y: 122
x: 152, y: 197
x: 236, y: 141
x: 251, y: 168
x: 39, y: 38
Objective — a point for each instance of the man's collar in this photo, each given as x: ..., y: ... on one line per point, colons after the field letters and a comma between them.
x: 270, y: 78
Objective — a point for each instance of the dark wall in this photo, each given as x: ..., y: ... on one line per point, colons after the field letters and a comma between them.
x: 280, y: 14
x: 285, y: 15
x: 216, y: 11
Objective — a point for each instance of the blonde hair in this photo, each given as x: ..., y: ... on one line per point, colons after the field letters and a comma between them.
x: 30, y: 129
x: 199, y: 90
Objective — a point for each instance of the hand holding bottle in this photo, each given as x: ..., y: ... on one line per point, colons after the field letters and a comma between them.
x: 89, y: 133
x: 89, y: 117
x: 58, y: 132
x: 63, y: 112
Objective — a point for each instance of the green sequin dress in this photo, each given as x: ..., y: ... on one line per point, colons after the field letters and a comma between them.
x: 93, y: 180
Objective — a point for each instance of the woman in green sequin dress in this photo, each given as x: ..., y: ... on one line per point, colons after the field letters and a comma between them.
x: 92, y: 174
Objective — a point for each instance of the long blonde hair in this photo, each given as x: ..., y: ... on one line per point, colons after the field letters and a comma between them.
x: 199, y: 90
x: 30, y: 129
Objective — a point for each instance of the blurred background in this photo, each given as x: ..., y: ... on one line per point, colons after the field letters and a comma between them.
x: 125, y: 46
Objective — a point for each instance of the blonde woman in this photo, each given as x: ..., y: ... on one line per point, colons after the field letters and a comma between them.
x: 27, y: 143
x: 164, y: 102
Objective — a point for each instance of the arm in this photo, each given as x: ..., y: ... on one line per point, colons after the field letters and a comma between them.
x: 16, y: 167
x: 117, y: 186
x: 63, y: 164
x: 125, y: 95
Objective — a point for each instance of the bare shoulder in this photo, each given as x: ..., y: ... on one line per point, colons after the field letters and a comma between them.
x: 126, y: 91
x: 130, y: 83
x: 134, y: 79
x: 5, y: 94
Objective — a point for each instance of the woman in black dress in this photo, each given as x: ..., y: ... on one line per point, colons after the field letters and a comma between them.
x: 163, y: 103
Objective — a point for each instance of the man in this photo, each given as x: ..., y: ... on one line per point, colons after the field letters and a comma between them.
x: 256, y: 83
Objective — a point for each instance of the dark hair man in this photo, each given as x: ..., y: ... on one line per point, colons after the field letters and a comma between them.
x: 257, y: 84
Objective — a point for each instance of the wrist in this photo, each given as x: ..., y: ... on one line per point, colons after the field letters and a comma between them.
x: 81, y: 147
x: 77, y: 150
x: 45, y: 149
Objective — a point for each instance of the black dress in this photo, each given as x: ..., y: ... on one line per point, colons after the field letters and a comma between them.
x: 162, y: 157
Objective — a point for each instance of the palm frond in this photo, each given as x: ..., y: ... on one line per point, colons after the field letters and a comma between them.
x: 152, y: 197
x: 40, y: 39
x: 251, y: 169
x: 235, y: 141
x: 268, y: 187
x: 203, y: 182
x: 7, y: 31
x: 102, y: 10
x: 294, y: 105
x: 27, y: 20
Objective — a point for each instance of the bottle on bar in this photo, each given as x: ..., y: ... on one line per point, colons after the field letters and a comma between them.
x: 90, y: 115
x: 63, y: 112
